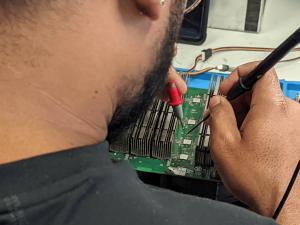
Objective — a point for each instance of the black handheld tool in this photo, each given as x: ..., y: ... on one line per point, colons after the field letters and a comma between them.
x: 246, y: 83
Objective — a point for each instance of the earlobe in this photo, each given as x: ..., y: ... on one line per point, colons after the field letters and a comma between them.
x: 150, y: 8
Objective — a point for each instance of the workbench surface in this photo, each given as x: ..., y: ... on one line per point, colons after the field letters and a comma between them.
x: 280, y: 19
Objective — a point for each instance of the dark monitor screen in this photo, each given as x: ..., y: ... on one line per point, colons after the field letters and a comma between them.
x: 194, y: 25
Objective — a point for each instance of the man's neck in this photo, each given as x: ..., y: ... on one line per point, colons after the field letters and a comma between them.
x: 33, y: 123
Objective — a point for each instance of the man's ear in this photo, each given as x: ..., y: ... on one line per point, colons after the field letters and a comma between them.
x: 150, y: 8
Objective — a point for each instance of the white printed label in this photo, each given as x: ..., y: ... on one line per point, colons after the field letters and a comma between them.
x: 184, y: 156
x: 196, y: 100
x: 191, y: 122
x: 187, y: 142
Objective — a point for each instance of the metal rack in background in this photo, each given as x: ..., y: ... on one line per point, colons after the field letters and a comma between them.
x: 202, y: 156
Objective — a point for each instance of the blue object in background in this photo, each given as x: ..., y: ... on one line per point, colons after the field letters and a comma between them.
x: 290, y: 88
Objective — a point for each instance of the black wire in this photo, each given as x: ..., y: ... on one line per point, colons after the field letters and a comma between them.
x: 198, y: 124
x: 287, y: 192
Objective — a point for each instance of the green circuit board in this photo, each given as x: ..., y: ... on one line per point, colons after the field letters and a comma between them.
x: 182, y: 154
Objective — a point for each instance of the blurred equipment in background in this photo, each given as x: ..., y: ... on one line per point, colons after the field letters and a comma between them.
x: 242, y: 15
x: 194, y: 25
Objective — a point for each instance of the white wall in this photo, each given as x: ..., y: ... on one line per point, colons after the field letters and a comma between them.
x: 281, y: 18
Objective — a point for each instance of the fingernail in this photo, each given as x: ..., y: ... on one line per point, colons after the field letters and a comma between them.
x: 214, y: 101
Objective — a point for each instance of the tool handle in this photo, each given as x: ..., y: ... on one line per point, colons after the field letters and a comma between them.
x: 237, y: 90
x: 174, y: 94
x: 247, y: 82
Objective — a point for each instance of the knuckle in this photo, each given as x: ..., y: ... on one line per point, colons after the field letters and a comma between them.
x: 216, y: 112
x: 282, y: 105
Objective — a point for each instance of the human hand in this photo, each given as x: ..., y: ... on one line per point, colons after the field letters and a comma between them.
x: 255, y: 144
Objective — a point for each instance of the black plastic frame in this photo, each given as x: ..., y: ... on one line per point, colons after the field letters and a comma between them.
x: 194, y: 27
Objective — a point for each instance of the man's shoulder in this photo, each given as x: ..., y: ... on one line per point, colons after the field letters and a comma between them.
x: 136, y: 203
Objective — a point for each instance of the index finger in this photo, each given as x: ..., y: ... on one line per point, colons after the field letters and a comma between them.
x: 180, y: 83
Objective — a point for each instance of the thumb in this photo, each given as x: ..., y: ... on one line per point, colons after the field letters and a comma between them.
x: 225, y: 135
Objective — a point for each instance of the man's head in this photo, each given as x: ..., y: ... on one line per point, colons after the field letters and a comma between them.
x: 133, y: 104
x: 101, y: 62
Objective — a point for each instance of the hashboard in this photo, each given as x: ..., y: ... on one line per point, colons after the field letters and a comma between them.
x: 185, y: 159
